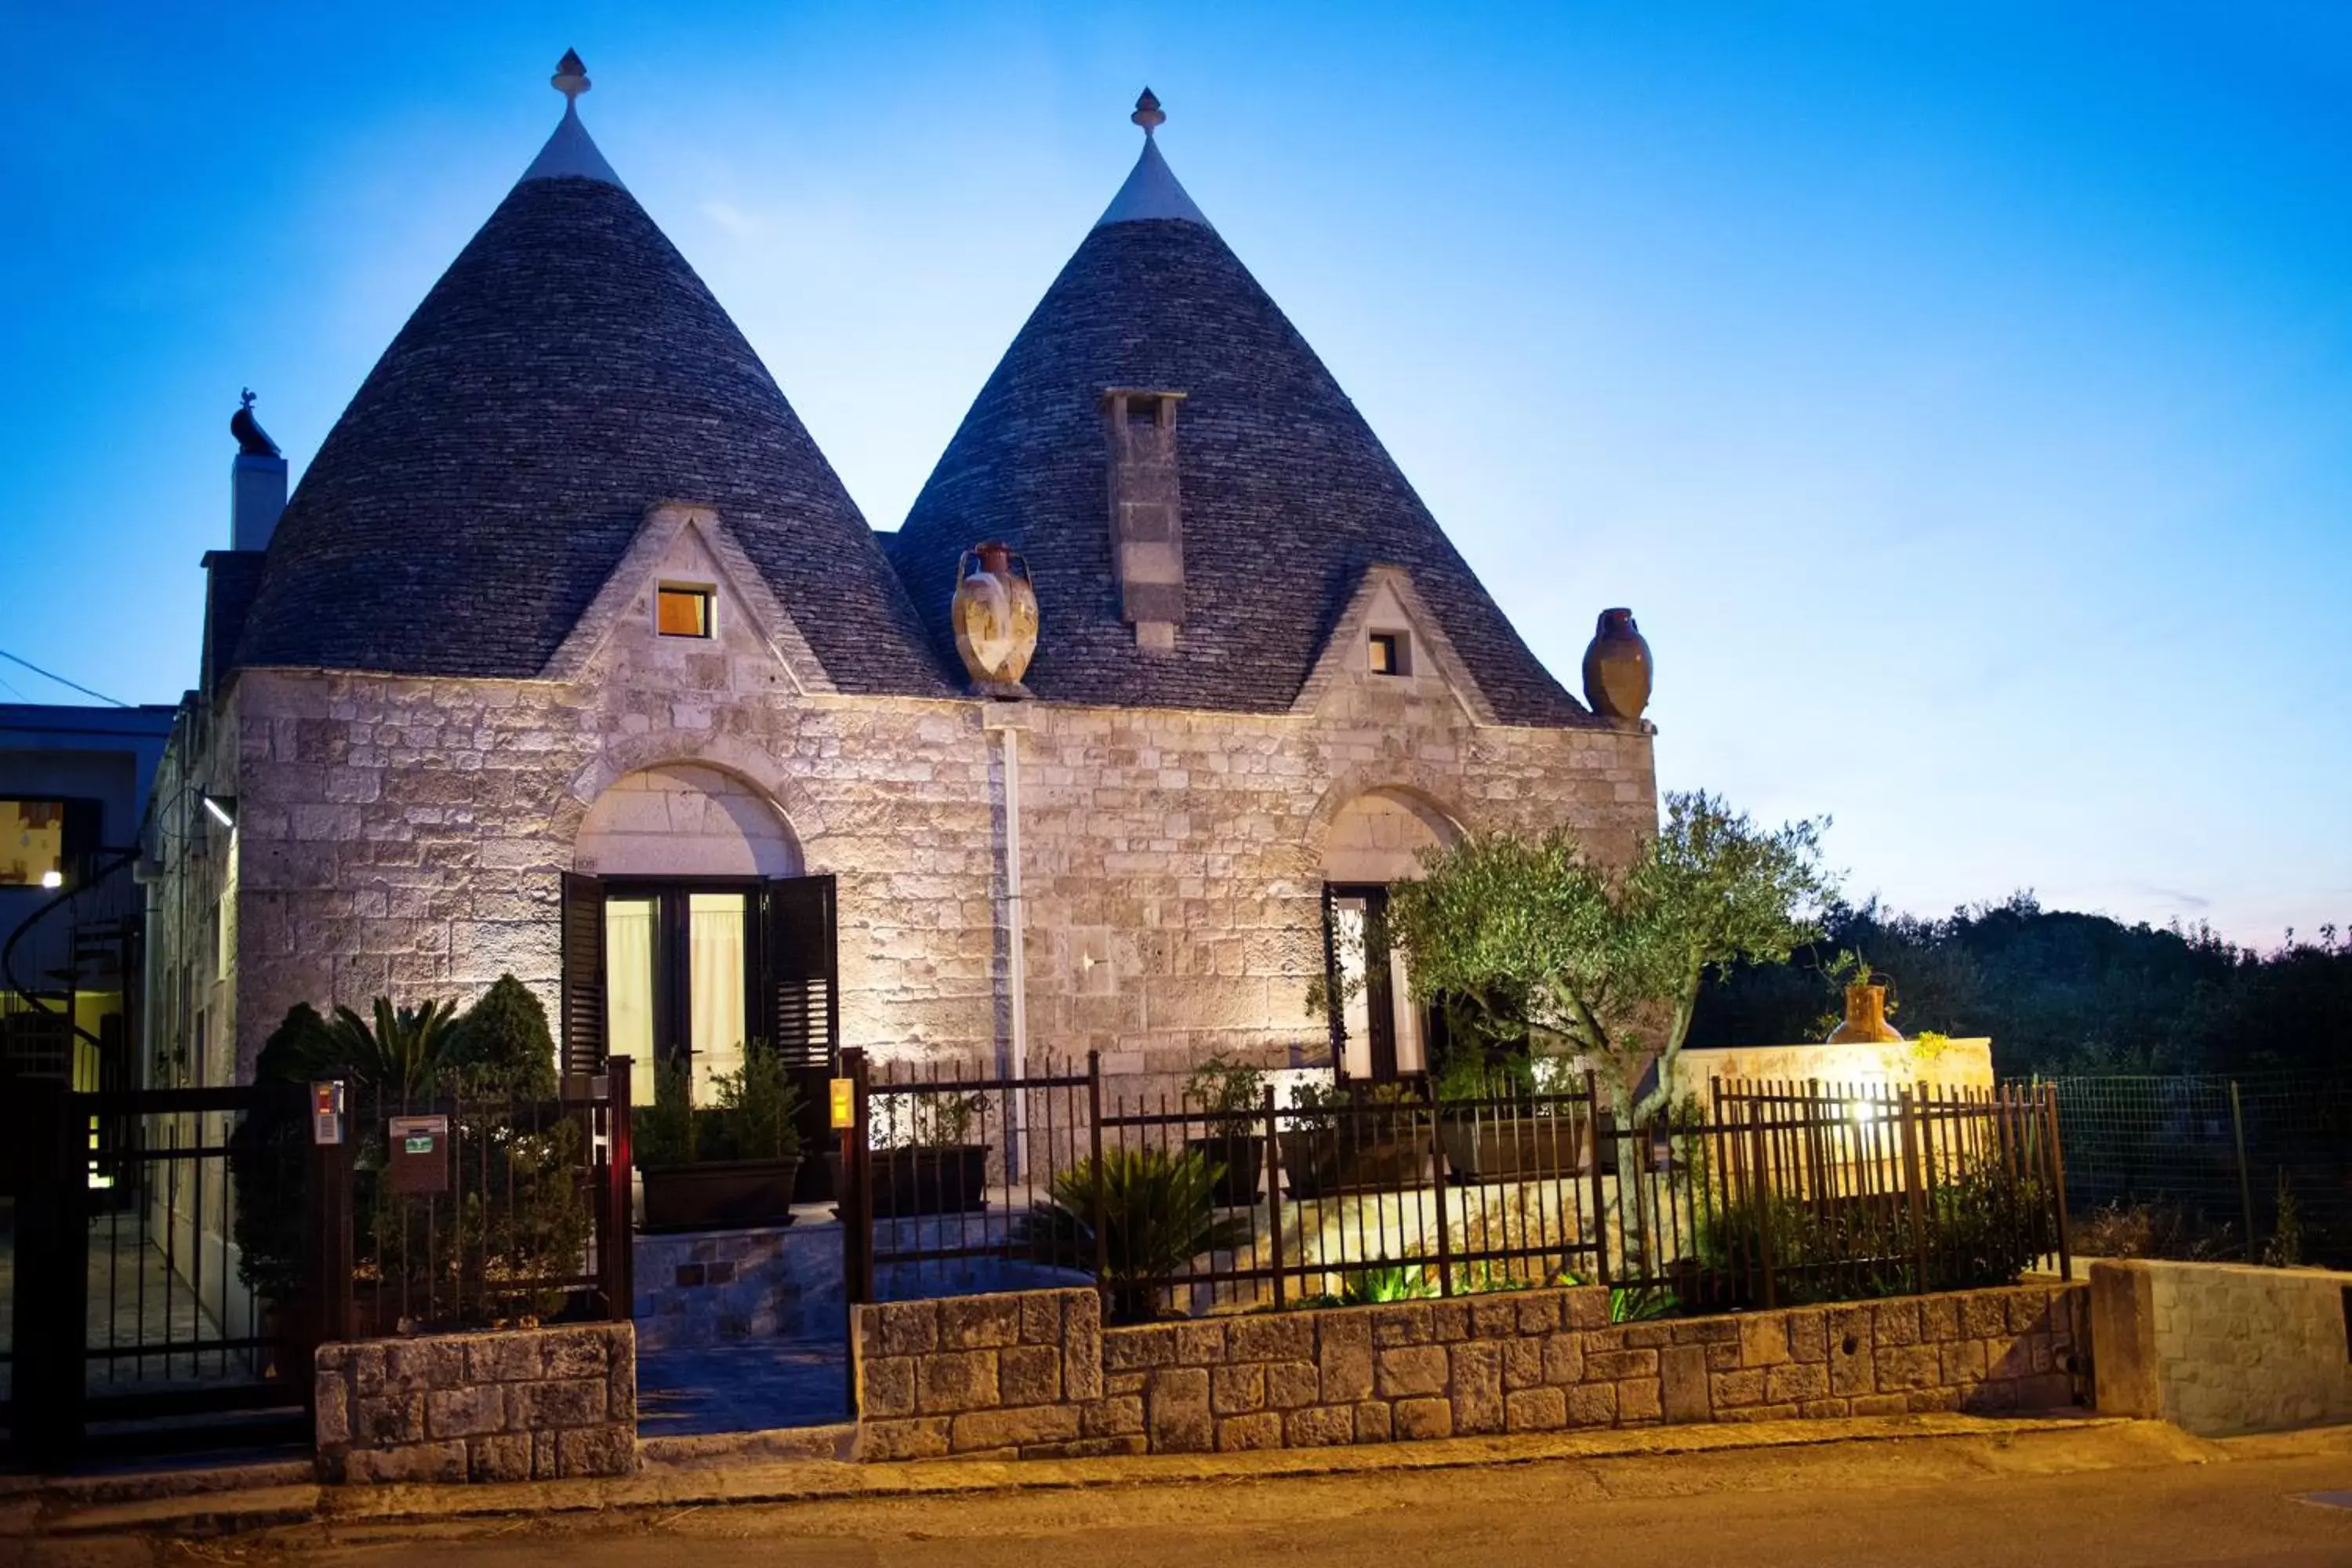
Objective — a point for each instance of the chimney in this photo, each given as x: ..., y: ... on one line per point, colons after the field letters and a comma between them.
x: 256, y: 481
x: 1147, y: 532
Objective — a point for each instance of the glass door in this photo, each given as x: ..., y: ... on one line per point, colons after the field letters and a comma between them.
x: 677, y: 981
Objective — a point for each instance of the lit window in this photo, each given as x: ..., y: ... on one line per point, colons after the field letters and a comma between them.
x: 682, y: 612
x: 32, y: 843
x: 1391, y: 654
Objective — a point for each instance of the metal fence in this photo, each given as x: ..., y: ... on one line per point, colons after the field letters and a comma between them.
x: 958, y: 1183
x: 2256, y: 1167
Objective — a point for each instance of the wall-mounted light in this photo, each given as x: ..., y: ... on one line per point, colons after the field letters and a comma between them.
x: 53, y: 878
x: 223, y: 807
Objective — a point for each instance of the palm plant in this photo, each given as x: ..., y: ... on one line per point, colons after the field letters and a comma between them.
x: 403, y: 1052
x: 1157, y: 1214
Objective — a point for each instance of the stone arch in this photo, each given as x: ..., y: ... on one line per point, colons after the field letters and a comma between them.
x: 749, y: 765
x: 685, y: 819
x: 1377, y: 833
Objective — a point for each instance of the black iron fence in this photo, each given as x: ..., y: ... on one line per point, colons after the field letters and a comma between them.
x: 965, y: 1182
x: 2257, y: 1167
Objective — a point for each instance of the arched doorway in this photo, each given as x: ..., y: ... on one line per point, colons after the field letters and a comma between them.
x: 1380, y: 1030
x: 689, y: 931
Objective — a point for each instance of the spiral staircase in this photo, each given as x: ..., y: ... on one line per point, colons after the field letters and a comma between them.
x: 70, y: 979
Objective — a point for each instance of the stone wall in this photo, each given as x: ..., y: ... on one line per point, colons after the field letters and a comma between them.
x: 507, y: 1406
x: 2218, y: 1348
x: 406, y: 835
x: 988, y: 1376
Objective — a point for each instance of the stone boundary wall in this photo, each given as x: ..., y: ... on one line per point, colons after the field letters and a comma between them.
x: 2221, y: 1348
x: 1035, y: 1374
x: 511, y: 1404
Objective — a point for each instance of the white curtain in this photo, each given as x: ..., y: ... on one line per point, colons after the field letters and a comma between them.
x: 1356, y: 1014
x: 629, y: 990
x: 1410, y: 1054
x: 715, y: 967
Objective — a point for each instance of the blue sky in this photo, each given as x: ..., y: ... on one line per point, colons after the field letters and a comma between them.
x: 1960, y: 395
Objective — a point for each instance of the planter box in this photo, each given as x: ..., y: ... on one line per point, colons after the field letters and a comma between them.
x: 1240, y: 1180
x: 723, y: 1194
x: 1490, y: 1148
x: 946, y: 1179
x: 1321, y: 1162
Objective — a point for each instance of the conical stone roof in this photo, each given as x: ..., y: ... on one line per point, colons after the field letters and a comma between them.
x: 1288, y: 496
x: 567, y: 371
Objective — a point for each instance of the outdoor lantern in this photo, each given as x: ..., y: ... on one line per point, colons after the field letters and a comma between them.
x: 222, y: 807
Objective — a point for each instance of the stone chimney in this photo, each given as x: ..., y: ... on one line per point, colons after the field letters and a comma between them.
x: 1147, y: 529
x: 257, y: 480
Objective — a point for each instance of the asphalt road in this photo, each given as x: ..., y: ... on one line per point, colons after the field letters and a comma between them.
x: 2094, y: 1499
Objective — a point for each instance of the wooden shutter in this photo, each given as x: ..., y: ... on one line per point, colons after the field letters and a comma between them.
x: 804, y: 977
x: 1334, y: 1008
x: 583, y: 974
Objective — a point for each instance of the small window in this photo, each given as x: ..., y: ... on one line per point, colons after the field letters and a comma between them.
x: 32, y: 843
x: 1391, y: 654
x: 682, y: 612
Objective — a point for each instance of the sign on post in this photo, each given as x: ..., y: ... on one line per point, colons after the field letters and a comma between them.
x: 843, y: 1103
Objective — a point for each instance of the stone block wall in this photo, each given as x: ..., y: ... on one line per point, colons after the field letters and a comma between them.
x: 984, y: 1376
x: 2223, y: 1348
x: 511, y: 1404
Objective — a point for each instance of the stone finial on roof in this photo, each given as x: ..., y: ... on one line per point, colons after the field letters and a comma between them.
x: 571, y: 77
x: 1151, y: 190
x: 252, y: 440
x: 1147, y: 112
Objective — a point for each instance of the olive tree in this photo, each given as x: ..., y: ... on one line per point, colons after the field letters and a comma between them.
x: 1610, y: 959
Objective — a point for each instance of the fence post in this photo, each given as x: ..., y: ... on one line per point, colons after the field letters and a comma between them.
x: 1913, y: 1191
x: 2245, y: 1184
x: 856, y: 1202
x: 1096, y: 1220
x: 619, y: 1255
x: 51, y: 1306
x: 1445, y: 1227
x: 1600, y: 1195
x: 2058, y: 1179
x: 1762, y: 1190
x: 329, y: 1180
x: 1274, y: 1191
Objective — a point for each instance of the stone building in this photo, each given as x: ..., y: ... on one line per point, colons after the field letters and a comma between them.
x: 571, y: 656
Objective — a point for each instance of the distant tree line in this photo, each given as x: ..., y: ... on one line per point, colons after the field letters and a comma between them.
x: 2060, y: 991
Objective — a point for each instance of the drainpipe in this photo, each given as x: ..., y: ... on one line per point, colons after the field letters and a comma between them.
x: 1017, y: 963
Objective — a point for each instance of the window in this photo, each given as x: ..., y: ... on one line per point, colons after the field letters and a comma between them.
x: 682, y: 612
x: 32, y: 843
x: 1392, y: 653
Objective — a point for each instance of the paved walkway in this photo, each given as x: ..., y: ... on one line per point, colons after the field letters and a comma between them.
x: 747, y: 1385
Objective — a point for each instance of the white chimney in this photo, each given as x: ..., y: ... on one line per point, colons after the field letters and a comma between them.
x: 257, y: 480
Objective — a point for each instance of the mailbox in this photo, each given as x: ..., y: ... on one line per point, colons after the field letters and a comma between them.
x: 420, y: 1154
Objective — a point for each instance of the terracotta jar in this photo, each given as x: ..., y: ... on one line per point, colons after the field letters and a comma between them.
x: 1617, y: 667
x: 1866, y: 1016
x: 995, y: 616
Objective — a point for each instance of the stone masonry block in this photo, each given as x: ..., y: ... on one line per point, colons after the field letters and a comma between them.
x: 413, y: 1366
x: 1522, y: 1362
x: 1041, y: 1317
x: 504, y: 1457
x: 1012, y: 1427
x: 1963, y: 1361
x: 1878, y: 1404
x: 1592, y: 1404
x: 1176, y: 1411
x: 544, y: 1406
x: 334, y: 1409
x: 503, y: 1358
x: 1029, y: 1374
x: 908, y: 1328
x: 392, y: 1421
x: 1120, y: 1415
x: 1563, y: 1359
x: 1412, y: 1370
x: 1539, y: 1313
x: 1795, y: 1382
x: 1082, y: 1345
x: 1291, y: 1384
x: 1414, y: 1420
x: 979, y: 1322
x: 1730, y: 1390
x: 1682, y: 1391
x: 1614, y: 1365
x: 1586, y: 1307
x: 924, y: 1437
x: 1320, y: 1427
x: 1262, y: 1430
x: 1345, y: 1357
x: 1535, y: 1410
x: 1238, y: 1389
x: 426, y: 1463
x: 606, y: 1450
x: 1638, y: 1400
x: 1449, y: 1320
x: 948, y: 1383
x: 1276, y: 1337
x: 1896, y: 1322
x: 1983, y: 1315
x: 1138, y: 1349
x: 1374, y: 1421
x: 1940, y: 1318
x: 1400, y: 1324
x: 1901, y: 1368
x: 1494, y: 1317
x: 1809, y: 1337
x: 1203, y: 1344
x: 573, y: 1352
x: 886, y: 1387
x: 465, y: 1412
x: 1763, y: 1340
x: 1477, y: 1386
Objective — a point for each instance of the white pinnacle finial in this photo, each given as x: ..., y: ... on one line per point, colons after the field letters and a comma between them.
x: 1147, y: 113
x: 571, y: 77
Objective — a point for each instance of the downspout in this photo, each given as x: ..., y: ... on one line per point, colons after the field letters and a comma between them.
x: 1017, y: 966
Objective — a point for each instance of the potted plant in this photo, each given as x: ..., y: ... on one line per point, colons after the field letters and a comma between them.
x: 1352, y: 1138
x: 723, y: 1166
x: 1498, y: 1121
x: 925, y: 1157
x: 1227, y: 1092
x: 1157, y: 1212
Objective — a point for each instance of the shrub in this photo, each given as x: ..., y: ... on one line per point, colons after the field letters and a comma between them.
x: 1222, y: 1085
x: 1157, y: 1214
x: 758, y: 1107
x: 505, y: 1040
x: 667, y: 1134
